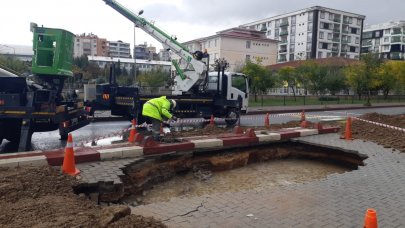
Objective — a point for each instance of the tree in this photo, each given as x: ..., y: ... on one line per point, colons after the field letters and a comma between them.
x: 334, y: 80
x: 355, y: 78
x: 289, y: 76
x: 386, y: 77
x: 14, y: 65
x: 154, y: 78
x: 260, y: 77
x: 371, y: 65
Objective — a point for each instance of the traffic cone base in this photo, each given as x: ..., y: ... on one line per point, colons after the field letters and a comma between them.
x: 69, y: 164
x: 370, y: 219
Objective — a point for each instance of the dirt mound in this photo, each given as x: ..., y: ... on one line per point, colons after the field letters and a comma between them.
x: 42, y: 197
x: 387, y: 137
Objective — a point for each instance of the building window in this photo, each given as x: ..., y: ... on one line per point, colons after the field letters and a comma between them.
x: 215, y: 42
x: 269, y: 24
x: 331, y: 16
x: 352, y: 49
x: 309, y: 37
x: 324, y: 46
x: 291, y: 57
x: 349, y: 39
x: 357, y: 41
x: 310, y: 16
x: 277, y: 23
x: 322, y: 14
x: 310, y: 26
x: 377, y: 33
x: 386, y: 39
x: 292, y: 39
x: 247, y: 57
x: 293, y: 29
x: 353, y: 30
x: 328, y: 54
x: 359, y: 21
x: 293, y: 20
x: 387, y: 31
x: 350, y: 20
x: 309, y: 46
x: 292, y: 48
x: 248, y: 44
x: 320, y: 55
x: 320, y: 35
x: 386, y: 47
x: 329, y: 36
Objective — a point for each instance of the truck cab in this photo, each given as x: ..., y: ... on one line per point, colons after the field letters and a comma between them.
x: 232, y: 85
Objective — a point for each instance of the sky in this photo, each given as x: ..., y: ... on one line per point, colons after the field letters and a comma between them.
x: 187, y: 19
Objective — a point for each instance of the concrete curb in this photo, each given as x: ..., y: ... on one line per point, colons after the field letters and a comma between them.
x: 145, y: 148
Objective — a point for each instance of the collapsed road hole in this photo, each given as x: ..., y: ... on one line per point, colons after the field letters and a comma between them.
x: 164, y: 177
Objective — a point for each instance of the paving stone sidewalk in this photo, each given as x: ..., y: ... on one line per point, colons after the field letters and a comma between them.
x: 340, y: 200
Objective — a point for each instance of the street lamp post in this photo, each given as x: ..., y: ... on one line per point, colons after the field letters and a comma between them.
x: 139, y: 13
x: 134, y: 57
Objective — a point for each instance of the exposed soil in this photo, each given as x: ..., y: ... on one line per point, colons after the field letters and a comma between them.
x: 42, y: 197
x: 389, y: 138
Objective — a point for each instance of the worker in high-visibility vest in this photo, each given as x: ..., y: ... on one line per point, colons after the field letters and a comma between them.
x: 157, y: 110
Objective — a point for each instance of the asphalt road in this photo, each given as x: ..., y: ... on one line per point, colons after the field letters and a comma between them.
x: 50, y: 140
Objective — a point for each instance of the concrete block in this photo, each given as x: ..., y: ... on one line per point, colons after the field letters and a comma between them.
x: 132, y: 152
x: 269, y: 137
x: 106, y: 154
x: 33, y: 161
x: 11, y: 162
x: 207, y: 143
x: 24, y: 161
x: 307, y: 132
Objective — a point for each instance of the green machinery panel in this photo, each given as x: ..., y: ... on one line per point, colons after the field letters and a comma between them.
x: 53, y: 51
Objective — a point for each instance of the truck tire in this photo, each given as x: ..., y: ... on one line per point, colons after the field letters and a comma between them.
x: 232, y: 116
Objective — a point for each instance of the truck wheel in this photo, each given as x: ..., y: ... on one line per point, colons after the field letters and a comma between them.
x: 232, y: 117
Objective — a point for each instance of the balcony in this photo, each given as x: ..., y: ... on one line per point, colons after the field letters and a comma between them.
x: 283, y: 33
x: 346, y: 22
x: 335, y: 49
x: 343, y: 51
x: 282, y: 51
x: 283, y: 42
x: 345, y: 42
x: 396, y: 56
x: 396, y: 32
x: 284, y: 23
x: 336, y: 29
x: 395, y: 39
x: 336, y: 40
x: 337, y: 20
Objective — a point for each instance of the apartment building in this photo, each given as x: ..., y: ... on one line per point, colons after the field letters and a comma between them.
x: 237, y: 45
x: 89, y: 44
x: 119, y: 49
x: 143, y: 51
x: 312, y: 33
x: 142, y: 65
x: 386, y: 39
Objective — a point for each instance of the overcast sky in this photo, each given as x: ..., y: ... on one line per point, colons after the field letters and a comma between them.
x: 187, y: 19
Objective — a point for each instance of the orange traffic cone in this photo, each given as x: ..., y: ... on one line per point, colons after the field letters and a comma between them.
x: 212, y: 120
x: 132, y: 133
x: 69, y: 164
x: 267, y: 121
x: 348, y: 130
x: 370, y: 219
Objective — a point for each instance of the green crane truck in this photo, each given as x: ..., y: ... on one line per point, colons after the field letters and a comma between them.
x: 36, y: 103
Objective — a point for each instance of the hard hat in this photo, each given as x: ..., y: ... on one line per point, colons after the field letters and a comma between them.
x: 173, y: 102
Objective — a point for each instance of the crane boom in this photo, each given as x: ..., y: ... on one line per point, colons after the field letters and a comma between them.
x: 196, y: 71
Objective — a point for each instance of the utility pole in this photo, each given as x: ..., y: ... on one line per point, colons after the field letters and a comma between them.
x: 134, y: 56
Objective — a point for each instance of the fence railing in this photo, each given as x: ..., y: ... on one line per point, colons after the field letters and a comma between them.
x: 280, y: 100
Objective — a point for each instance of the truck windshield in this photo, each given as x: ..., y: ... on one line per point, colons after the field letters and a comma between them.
x: 239, y: 82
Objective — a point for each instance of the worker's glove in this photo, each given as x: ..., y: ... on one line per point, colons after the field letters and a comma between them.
x: 174, y: 118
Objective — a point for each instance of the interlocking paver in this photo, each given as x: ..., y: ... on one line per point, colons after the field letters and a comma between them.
x: 339, y: 200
